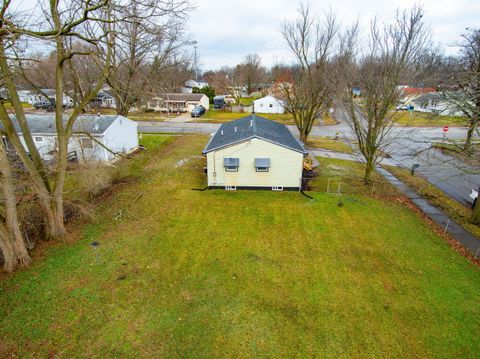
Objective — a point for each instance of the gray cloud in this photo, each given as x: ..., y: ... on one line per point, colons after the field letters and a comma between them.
x: 227, y: 31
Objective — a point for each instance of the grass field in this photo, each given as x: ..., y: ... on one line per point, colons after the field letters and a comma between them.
x: 454, y: 209
x: 328, y: 143
x: 8, y: 105
x: 422, y: 119
x: 182, y: 273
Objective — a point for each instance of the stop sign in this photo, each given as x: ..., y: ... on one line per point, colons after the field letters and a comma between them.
x: 445, y: 128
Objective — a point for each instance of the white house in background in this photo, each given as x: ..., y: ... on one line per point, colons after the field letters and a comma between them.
x: 435, y: 103
x: 178, y: 102
x: 254, y: 153
x: 268, y: 104
x: 108, y: 136
x: 103, y: 100
x: 191, y: 84
x: 46, y: 95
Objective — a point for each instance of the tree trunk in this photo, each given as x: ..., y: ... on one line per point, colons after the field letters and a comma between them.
x: 369, y: 168
x: 6, y: 246
x: 14, y: 247
x: 475, y: 218
x: 468, y: 142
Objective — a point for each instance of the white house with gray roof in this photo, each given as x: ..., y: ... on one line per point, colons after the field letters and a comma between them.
x: 95, y: 138
x: 254, y: 153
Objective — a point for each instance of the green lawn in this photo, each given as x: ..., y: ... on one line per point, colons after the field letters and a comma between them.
x: 184, y: 273
x: 422, y: 119
x: 8, y: 105
x: 328, y: 143
x: 460, y: 213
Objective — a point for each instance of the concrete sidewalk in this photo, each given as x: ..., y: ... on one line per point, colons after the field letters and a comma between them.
x: 457, y: 232
x: 464, y: 237
x: 346, y: 156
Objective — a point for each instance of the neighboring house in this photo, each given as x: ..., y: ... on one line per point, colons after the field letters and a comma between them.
x: 104, y: 100
x: 254, y: 153
x: 178, y: 102
x: 35, y: 96
x: 26, y: 96
x: 435, y: 103
x: 117, y: 133
x: 268, y: 104
x: 409, y: 94
x: 191, y: 84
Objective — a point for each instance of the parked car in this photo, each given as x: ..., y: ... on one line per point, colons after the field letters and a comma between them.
x: 44, y: 105
x: 198, y: 111
x: 474, y: 197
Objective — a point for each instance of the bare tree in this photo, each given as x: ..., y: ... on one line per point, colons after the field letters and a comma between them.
x: 74, y: 19
x: 465, y: 95
x: 377, y: 72
x: 146, y: 32
x: 250, y: 72
x: 313, y: 43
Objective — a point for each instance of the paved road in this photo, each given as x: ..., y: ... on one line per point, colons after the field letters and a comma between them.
x: 408, y: 146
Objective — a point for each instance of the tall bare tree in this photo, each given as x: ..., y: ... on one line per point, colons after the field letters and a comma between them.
x: 377, y: 72
x: 12, y: 244
x: 71, y: 19
x: 146, y: 32
x: 250, y: 72
x: 464, y: 95
x: 312, y: 40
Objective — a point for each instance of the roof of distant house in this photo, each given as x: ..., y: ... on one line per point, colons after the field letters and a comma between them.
x: 180, y: 97
x: 45, y: 124
x: 253, y: 126
x: 103, y: 94
x: 417, y: 90
x: 270, y: 97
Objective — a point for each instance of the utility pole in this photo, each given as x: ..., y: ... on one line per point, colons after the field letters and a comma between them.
x: 195, y: 59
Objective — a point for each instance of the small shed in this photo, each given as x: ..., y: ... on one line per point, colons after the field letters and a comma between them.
x: 268, y: 104
x: 254, y: 153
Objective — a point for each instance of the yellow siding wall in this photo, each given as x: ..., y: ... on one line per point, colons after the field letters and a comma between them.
x: 286, y: 165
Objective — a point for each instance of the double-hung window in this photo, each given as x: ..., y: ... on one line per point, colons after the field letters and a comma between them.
x: 231, y: 164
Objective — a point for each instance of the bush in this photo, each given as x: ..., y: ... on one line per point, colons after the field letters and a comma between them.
x: 93, y: 179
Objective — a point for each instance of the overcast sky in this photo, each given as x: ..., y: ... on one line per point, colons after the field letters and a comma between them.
x: 228, y: 30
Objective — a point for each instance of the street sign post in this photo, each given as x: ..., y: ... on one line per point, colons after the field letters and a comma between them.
x: 445, y: 130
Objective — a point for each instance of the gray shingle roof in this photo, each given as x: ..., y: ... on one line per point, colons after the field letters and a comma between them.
x: 253, y: 126
x: 180, y: 96
x: 45, y: 124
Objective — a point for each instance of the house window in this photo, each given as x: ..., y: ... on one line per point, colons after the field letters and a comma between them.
x: 38, y: 139
x: 262, y: 164
x: 86, y: 143
x: 271, y: 105
x: 231, y: 164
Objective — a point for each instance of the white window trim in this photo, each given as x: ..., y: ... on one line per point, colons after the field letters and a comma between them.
x: 231, y: 168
